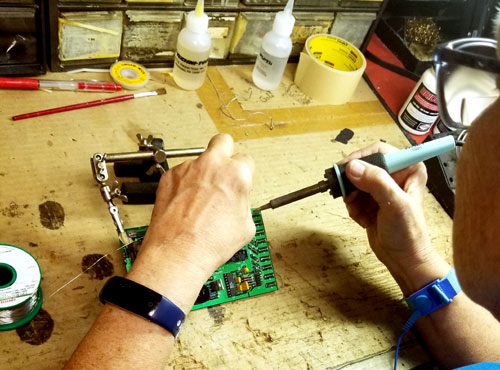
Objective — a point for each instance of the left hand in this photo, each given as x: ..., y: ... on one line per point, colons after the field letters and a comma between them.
x: 201, y: 215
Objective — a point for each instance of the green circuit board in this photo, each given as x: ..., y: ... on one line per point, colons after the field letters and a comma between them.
x: 248, y: 273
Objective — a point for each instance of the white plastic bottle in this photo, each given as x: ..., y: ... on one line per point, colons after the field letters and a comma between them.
x: 420, y: 111
x: 193, y: 49
x: 275, y: 50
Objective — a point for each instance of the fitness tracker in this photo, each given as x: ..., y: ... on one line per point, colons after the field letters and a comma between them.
x: 144, y: 302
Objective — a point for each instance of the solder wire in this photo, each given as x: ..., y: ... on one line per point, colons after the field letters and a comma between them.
x: 125, y: 246
x: 224, y: 108
x: 12, y: 315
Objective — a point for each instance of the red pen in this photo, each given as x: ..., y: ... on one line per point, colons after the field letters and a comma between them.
x: 114, y: 99
x: 73, y: 85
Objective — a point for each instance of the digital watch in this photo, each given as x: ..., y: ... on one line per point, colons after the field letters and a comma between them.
x: 142, y: 301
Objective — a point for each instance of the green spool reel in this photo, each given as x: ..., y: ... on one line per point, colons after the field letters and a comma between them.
x: 20, y: 279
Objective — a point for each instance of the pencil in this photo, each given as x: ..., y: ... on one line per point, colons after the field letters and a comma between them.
x: 89, y: 104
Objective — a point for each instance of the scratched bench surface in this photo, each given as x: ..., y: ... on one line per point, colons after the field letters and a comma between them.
x: 336, y: 304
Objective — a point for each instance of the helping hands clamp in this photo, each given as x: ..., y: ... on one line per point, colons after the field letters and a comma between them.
x: 147, y: 150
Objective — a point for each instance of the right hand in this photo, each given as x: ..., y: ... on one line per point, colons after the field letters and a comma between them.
x: 390, y: 208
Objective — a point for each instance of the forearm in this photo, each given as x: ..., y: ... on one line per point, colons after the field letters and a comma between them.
x: 200, y: 218
x: 390, y: 209
x: 459, y: 333
x: 122, y: 340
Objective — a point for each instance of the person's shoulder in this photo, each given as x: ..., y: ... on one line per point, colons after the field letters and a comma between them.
x: 482, y: 366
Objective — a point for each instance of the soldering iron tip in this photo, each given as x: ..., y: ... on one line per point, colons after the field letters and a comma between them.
x: 261, y: 208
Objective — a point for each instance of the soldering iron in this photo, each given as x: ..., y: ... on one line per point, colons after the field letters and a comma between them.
x: 339, y: 185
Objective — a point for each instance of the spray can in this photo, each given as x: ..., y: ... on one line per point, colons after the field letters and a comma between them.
x: 193, y: 49
x: 275, y: 51
x: 420, y: 111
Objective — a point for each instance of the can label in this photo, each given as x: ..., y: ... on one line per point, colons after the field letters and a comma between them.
x: 190, y: 66
x: 422, y: 110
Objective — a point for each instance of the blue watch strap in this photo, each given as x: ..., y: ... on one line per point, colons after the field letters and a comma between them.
x: 434, y: 295
x: 144, y: 302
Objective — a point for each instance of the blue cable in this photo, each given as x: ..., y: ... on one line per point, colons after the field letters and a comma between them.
x: 406, y: 327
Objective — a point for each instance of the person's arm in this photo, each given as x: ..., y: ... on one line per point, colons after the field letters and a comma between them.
x: 390, y: 209
x: 200, y: 219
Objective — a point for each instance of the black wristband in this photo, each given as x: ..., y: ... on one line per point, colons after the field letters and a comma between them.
x: 144, y: 302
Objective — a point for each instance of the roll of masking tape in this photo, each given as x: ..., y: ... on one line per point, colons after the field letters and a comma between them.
x: 20, y: 292
x: 329, y: 69
x: 130, y: 75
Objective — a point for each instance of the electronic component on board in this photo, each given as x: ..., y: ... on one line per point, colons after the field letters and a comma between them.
x: 203, y: 296
x: 239, y: 256
x: 243, y: 287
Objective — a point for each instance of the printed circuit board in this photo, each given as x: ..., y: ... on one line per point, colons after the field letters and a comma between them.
x: 248, y: 273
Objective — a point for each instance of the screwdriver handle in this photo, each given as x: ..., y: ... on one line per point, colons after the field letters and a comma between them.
x: 341, y: 185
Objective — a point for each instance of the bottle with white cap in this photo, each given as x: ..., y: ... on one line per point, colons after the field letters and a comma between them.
x: 420, y: 111
x: 275, y: 50
x: 193, y: 49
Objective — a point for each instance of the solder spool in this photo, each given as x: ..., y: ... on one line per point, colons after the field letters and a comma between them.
x: 130, y: 75
x: 20, y: 293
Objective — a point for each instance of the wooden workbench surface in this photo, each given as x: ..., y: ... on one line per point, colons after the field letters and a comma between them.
x: 336, y: 304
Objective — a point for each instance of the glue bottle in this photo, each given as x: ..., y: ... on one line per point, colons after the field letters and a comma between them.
x: 420, y: 111
x: 193, y: 49
x: 275, y: 50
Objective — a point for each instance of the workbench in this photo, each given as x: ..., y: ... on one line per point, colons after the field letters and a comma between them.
x: 336, y: 306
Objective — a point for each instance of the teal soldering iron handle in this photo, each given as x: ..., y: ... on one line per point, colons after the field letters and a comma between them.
x: 391, y: 162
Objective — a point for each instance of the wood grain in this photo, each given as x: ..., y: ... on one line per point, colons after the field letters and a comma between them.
x: 336, y: 304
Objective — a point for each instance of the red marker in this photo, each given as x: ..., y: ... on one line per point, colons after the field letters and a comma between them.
x: 74, y: 85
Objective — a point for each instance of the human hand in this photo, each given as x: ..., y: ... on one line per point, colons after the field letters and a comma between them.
x: 201, y: 217
x: 390, y: 208
x: 202, y: 205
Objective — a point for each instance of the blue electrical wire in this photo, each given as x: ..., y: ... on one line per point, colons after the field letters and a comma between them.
x: 406, y: 327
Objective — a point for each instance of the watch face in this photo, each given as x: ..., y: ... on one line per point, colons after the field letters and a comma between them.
x: 130, y: 295
x: 144, y: 302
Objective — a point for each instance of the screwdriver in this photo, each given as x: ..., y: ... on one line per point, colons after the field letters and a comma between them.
x: 339, y: 185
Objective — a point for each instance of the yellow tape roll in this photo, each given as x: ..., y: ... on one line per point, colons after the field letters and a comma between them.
x: 130, y: 75
x: 329, y: 69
